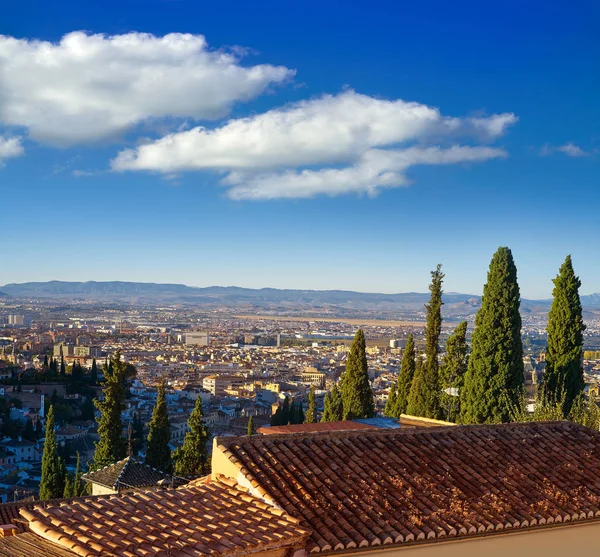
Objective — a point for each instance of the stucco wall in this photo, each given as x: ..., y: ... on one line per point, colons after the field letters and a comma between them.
x: 101, y: 490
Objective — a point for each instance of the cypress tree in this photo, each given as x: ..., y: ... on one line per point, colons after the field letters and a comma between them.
x: 63, y: 369
x: 78, y: 484
x: 51, y: 484
x: 94, y: 372
x: 327, y: 412
x: 158, y: 453
x: 357, y: 396
x: 495, y: 375
x: 416, y: 399
x: 251, y: 430
x: 68, y: 491
x: 407, y: 372
x: 453, y: 369
x: 191, y: 459
x: 431, y: 385
x: 311, y: 412
x: 391, y: 404
x: 111, y: 447
x: 337, y: 404
x: 563, y: 377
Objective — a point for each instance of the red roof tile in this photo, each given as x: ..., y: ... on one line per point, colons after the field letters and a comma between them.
x: 378, y: 487
x: 216, y: 519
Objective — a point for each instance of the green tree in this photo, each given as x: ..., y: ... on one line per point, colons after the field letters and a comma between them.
x: 94, y: 372
x: 430, y: 383
x: 564, y: 356
x: 327, y: 414
x: 495, y: 374
x: 416, y: 399
x: 391, y: 404
x: 158, y: 453
x: 79, y: 487
x: 68, y: 491
x: 88, y: 409
x: 111, y: 447
x: 51, y: 484
x: 405, y: 378
x: 63, y: 369
x: 251, y: 430
x: 337, y: 404
x: 357, y: 396
x: 191, y: 459
x: 453, y: 370
x: 311, y: 412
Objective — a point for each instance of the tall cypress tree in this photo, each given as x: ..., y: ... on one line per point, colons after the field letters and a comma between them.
x: 357, y: 396
x: 191, y: 459
x: 407, y: 372
x: 430, y: 384
x: 111, y: 447
x: 453, y: 369
x: 94, y: 372
x: 416, y: 399
x: 495, y: 375
x: 311, y: 411
x: 391, y: 405
x: 563, y: 377
x: 337, y: 404
x: 327, y: 415
x: 158, y: 453
x: 79, y: 485
x: 63, y: 368
x: 51, y: 484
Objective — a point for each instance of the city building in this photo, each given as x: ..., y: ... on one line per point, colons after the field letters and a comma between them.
x: 197, y: 338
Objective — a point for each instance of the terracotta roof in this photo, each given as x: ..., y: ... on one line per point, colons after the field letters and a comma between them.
x: 378, y: 487
x: 127, y: 474
x: 10, y: 513
x: 31, y: 545
x: 214, y: 519
x: 346, y: 425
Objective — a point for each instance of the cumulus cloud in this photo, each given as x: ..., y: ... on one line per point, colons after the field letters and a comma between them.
x: 91, y: 87
x: 569, y: 149
x: 364, y: 143
x: 323, y: 130
x: 376, y: 169
x: 10, y: 147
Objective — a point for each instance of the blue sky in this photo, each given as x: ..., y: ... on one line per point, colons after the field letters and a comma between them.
x: 347, y: 145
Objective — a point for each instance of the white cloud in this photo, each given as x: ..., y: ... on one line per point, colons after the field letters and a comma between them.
x: 572, y: 150
x: 274, y: 154
x: 324, y: 130
x: 91, y: 87
x: 376, y: 169
x: 9, y: 148
x: 569, y: 149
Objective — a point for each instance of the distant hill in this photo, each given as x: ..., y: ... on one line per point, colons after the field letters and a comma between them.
x: 330, y: 301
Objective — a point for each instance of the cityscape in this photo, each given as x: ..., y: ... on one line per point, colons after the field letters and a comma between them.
x: 282, y: 279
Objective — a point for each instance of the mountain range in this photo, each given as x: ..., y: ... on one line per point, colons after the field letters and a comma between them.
x: 269, y: 298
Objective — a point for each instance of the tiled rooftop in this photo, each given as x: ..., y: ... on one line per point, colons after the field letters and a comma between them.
x: 10, y: 513
x: 127, y: 474
x: 30, y: 545
x: 215, y: 519
x: 376, y: 487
